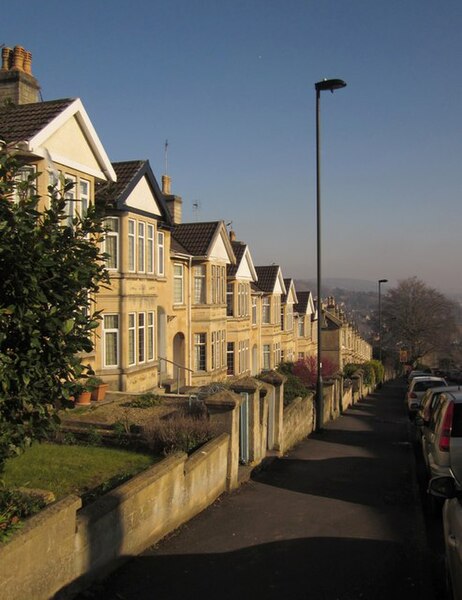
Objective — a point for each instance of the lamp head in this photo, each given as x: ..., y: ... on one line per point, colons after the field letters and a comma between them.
x: 329, y: 84
x: 383, y: 280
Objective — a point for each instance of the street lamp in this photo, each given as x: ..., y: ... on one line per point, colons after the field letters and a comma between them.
x: 380, y: 317
x: 321, y: 86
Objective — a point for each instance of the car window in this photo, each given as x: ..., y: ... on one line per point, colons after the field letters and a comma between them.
x: 422, y: 386
x: 457, y: 421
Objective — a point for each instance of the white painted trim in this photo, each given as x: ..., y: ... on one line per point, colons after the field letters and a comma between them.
x: 66, y: 162
x: 76, y: 109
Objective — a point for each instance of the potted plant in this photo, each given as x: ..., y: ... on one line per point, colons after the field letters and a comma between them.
x: 82, y: 392
x: 99, y: 391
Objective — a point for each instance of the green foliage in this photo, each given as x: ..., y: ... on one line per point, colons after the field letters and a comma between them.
x: 49, y: 269
x: 350, y: 369
x: 294, y: 388
x: 14, y: 507
x: 286, y: 368
x: 379, y: 370
x: 369, y: 373
x: 147, y: 400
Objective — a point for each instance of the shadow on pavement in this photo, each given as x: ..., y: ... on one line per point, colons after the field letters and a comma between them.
x: 317, y: 568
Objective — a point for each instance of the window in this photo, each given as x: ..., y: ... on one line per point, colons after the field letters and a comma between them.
x: 151, y: 338
x: 301, y: 326
x: 69, y: 196
x: 230, y: 358
x: 223, y: 347
x: 215, y: 350
x: 160, y: 253
x: 199, y: 284
x: 218, y: 284
x: 111, y: 340
x: 266, y: 310
x: 141, y: 337
x: 111, y: 242
x: 84, y: 196
x: 131, y: 339
x: 230, y: 300
x: 200, y: 352
x: 254, y: 310
x: 150, y: 249
x: 131, y: 245
x: 178, y: 296
x: 277, y: 353
x: 141, y: 234
x: 22, y: 176
x: 282, y: 319
x: 277, y: 308
x: 243, y: 356
x: 266, y: 356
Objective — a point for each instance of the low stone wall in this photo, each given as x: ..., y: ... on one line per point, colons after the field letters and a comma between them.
x: 62, y: 549
x: 298, y: 421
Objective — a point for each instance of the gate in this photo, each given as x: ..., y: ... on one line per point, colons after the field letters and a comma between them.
x: 244, y: 451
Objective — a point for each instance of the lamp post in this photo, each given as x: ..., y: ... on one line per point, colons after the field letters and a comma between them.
x: 320, y: 86
x: 380, y: 317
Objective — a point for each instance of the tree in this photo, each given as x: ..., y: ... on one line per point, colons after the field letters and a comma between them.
x: 418, y: 318
x: 306, y: 369
x: 49, y: 270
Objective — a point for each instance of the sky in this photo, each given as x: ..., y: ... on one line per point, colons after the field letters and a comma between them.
x: 230, y: 85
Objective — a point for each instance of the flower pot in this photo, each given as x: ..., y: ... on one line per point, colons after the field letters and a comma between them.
x: 83, y: 399
x: 99, y: 393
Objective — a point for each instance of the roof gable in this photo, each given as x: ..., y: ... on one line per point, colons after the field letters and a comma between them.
x: 205, y: 240
x: 305, y: 303
x: 290, y: 297
x: 136, y: 189
x: 270, y: 279
x: 60, y: 130
x: 246, y: 269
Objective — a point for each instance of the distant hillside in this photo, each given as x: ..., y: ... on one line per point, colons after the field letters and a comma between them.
x: 329, y: 284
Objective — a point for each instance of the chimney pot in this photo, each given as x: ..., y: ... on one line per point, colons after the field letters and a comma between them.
x: 27, y: 65
x: 18, y: 58
x: 232, y: 236
x: 6, y: 58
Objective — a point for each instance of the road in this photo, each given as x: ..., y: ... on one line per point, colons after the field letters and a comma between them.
x: 339, y: 518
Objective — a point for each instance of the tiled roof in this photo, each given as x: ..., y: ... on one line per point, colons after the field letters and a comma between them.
x: 177, y: 247
x: 267, y: 277
x: 23, y: 121
x: 239, y: 250
x: 302, y: 303
x: 195, y: 237
x: 109, y: 193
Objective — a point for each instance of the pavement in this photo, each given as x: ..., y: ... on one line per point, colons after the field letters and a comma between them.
x: 339, y: 517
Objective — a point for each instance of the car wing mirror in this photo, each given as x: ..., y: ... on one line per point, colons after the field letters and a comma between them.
x: 443, y: 487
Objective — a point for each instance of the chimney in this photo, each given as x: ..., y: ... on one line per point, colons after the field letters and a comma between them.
x: 17, y: 84
x: 166, y: 184
x: 174, y: 203
x: 232, y: 236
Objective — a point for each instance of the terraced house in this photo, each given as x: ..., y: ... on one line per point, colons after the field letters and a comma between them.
x: 186, y: 305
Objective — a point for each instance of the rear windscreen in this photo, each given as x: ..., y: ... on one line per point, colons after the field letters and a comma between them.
x: 422, y: 386
x: 457, y: 421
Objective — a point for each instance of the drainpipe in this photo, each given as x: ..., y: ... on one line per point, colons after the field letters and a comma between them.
x: 189, y: 354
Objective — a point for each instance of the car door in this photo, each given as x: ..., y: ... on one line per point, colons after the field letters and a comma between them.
x: 455, y: 448
x: 452, y: 522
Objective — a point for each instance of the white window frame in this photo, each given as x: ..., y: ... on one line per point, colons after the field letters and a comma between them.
x: 178, y: 277
x: 254, y: 310
x: 141, y: 239
x: 160, y: 253
x: 200, y: 352
x: 111, y: 331
x: 150, y: 339
x: 150, y: 234
x: 266, y: 356
x: 141, y: 338
x: 131, y: 245
x: 112, y: 233
x: 199, y: 284
x: 131, y: 339
x: 266, y: 310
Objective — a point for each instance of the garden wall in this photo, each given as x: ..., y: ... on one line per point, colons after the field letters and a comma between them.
x: 298, y: 421
x: 63, y: 548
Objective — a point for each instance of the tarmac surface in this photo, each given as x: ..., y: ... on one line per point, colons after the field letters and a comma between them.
x: 339, y: 517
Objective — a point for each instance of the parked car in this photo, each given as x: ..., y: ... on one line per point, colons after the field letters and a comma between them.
x: 417, y: 388
x: 427, y: 407
x: 442, y: 443
x: 449, y: 489
x: 413, y: 374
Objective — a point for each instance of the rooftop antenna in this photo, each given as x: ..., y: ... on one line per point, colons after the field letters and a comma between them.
x: 196, y: 208
x: 166, y: 156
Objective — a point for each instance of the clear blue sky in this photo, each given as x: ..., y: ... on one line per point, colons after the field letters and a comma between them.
x: 230, y: 84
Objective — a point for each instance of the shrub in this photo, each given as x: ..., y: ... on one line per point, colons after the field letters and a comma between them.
x: 183, y: 431
x: 306, y: 369
x: 350, y: 369
x: 379, y: 370
x: 286, y: 368
x: 294, y: 388
x: 14, y: 507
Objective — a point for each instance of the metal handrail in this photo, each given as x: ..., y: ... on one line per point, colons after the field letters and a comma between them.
x: 172, y: 362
